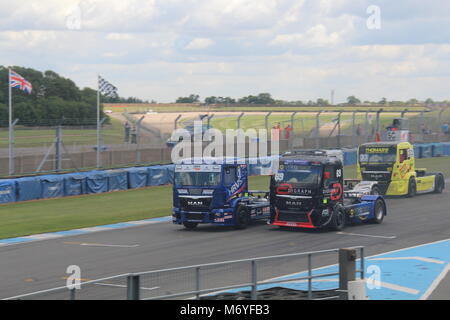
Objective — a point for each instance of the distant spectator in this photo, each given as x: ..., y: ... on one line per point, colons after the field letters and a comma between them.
x: 358, y: 130
x: 287, y: 131
x: 445, y: 128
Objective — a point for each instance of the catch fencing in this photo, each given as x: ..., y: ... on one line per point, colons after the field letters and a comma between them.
x: 142, y: 138
x: 255, y: 278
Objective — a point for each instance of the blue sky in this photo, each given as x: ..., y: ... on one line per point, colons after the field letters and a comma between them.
x: 294, y: 49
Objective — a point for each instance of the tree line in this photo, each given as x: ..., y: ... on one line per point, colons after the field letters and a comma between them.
x: 267, y: 99
x: 54, y: 100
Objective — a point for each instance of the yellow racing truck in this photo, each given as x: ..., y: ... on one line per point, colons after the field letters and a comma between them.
x: 388, y: 168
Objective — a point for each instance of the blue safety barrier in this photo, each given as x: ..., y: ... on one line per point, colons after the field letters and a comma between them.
x: 417, y: 151
x: 28, y: 188
x: 350, y: 157
x: 170, y: 173
x: 158, y: 175
x: 446, y: 146
x: 137, y: 177
x: 74, y: 184
x: 437, y: 149
x: 96, y: 182
x: 52, y: 186
x: 117, y: 180
x: 7, y: 191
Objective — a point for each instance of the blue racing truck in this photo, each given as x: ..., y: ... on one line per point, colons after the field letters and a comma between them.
x: 215, y: 191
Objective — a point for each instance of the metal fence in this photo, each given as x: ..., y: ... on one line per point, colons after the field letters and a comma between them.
x: 247, y: 278
x: 57, y: 147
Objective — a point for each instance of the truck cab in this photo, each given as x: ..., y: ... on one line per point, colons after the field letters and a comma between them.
x: 307, y: 192
x: 389, y: 168
x: 215, y: 191
x: 307, y: 185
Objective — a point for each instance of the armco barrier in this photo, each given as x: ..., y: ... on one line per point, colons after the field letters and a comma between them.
x: 52, y: 186
x: 7, y: 191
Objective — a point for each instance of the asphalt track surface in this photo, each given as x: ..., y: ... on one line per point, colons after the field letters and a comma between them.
x: 30, y: 267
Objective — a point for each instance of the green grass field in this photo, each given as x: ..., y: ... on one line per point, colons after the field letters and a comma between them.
x: 302, y: 123
x: 26, y: 138
x: 26, y: 218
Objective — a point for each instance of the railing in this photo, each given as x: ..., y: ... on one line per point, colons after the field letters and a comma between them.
x: 206, y: 280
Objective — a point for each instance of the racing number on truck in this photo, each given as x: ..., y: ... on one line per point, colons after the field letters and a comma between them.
x: 336, y: 192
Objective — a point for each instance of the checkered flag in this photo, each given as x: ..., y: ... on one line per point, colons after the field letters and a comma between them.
x: 106, y: 88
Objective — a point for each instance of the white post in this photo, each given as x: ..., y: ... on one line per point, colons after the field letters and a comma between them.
x: 357, y: 290
x: 11, y: 138
x: 98, y: 122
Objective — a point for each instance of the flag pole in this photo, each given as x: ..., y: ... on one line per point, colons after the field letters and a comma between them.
x: 98, y: 121
x: 11, y: 137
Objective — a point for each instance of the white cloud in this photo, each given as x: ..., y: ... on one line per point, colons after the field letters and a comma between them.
x: 295, y: 49
x: 199, y: 43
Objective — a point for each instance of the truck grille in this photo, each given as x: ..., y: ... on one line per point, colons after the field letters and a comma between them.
x: 288, y: 204
x: 195, y: 205
x: 290, y: 216
x: 376, y: 176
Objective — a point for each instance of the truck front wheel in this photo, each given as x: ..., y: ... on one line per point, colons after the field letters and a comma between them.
x: 439, y: 183
x: 379, y: 211
x: 338, y: 219
x: 190, y: 225
x: 242, y: 218
x: 412, y: 187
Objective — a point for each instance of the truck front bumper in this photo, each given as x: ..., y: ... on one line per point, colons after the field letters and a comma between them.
x: 397, y: 188
x: 220, y: 217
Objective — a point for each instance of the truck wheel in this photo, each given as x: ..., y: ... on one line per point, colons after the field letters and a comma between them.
x: 379, y: 211
x: 375, y: 191
x: 190, y: 225
x: 242, y: 218
x: 412, y: 188
x: 338, y: 219
x: 439, y: 183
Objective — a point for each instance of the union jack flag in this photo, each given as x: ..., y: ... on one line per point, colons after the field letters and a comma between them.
x: 17, y: 81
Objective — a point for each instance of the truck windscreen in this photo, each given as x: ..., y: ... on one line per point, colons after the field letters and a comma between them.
x: 298, y: 174
x: 373, y: 155
x: 197, y: 179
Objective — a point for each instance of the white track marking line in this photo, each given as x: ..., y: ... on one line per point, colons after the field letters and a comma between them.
x: 108, y: 245
x: 366, y: 235
x: 102, y: 245
x: 397, y: 287
x: 122, y: 286
x: 435, y: 283
x: 411, y: 258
